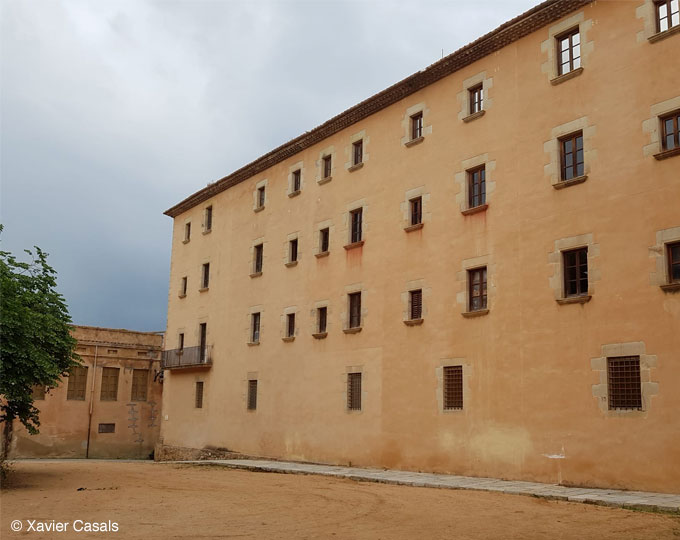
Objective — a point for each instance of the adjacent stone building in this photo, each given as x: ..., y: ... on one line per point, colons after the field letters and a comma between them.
x: 475, y: 271
x: 109, y: 407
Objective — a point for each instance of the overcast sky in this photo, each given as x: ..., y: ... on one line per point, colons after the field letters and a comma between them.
x: 113, y: 111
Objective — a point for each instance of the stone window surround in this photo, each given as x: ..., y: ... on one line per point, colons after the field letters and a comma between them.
x: 251, y: 376
x: 205, y: 260
x: 647, y: 13
x: 349, y: 151
x: 262, y: 183
x: 251, y: 261
x: 314, y: 319
x: 406, y: 123
x: 464, y: 96
x: 425, y: 196
x: 556, y: 262
x: 406, y: 299
x: 328, y: 151
x: 549, y: 46
x: 461, y: 179
x: 462, y: 298
x: 299, y: 166
x: 249, y: 327
x: 317, y: 232
x: 286, y: 249
x: 354, y: 369
x: 468, y: 371
x: 346, y: 221
x: 284, y: 323
x: 652, y: 125
x: 659, y: 277
x: 185, y: 239
x: 600, y: 391
x: 344, y: 301
x: 553, y: 169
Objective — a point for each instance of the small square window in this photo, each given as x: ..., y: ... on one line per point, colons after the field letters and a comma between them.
x: 356, y: 225
x: 568, y: 51
x: 38, y: 392
x: 198, y: 398
x: 417, y: 126
x: 109, y: 390
x: 354, y: 310
x: 623, y: 383
x: 357, y: 152
x: 476, y: 187
x: 77, y: 383
x: 324, y: 240
x: 255, y: 328
x: 453, y: 387
x: 667, y: 14
x: 416, y: 304
x: 260, y: 196
x: 290, y: 325
x: 670, y: 131
x: 571, y: 156
x: 297, y: 181
x: 252, y: 394
x: 187, y: 231
x: 673, y: 254
x: 575, y: 272
x: 183, y: 286
x: 321, y: 319
x: 106, y: 428
x: 207, y: 219
x: 476, y: 94
x: 354, y: 391
x: 477, y: 289
x: 293, y: 250
x: 257, y: 262
x: 205, y: 276
x: 416, y: 211
x: 327, y: 166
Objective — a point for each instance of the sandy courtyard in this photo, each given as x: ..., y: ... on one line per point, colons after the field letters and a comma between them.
x: 153, y: 500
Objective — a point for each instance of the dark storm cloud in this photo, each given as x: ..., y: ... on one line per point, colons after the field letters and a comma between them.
x: 113, y: 111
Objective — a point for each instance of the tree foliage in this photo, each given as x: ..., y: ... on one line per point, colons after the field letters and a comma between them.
x: 36, y: 346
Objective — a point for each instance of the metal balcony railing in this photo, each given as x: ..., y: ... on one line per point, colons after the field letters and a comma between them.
x: 187, y: 357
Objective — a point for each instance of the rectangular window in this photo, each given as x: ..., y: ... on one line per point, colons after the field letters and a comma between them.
x: 575, y: 272
x: 38, y: 392
x: 417, y: 126
x: 670, y: 131
x: 140, y: 383
x: 260, y: 197
x: 416, y: 207
x: 477, y: 186
x: 357, y: 152
x: 571, y: 156
x: 321, y: 319
x: 180, y: 341
x: 416, y: 304
x: 568, y: 51
x: 453, y: 387
x: 290, y: 325
x: 623, y: 383
x: 477, y: 288
x: 183, y: 286
x: 327, y: 166
x: 476, y: 98
x: 109, y: 390
x: 324, y: 240
x: 106, y: 428
x: 293, y: 250
x: 667, y: 14
x: 255, y: 328
x: 673, y: 251
x: 354, y: 310
x: 198, y: 399
x: 187, y: 232
x: 205, y: 276
x: 203, y: 339
x: 297, y: 180
x: 77, y: 382
x: 208, y: 219
x: 252, y: 394
x: 257, y: 263
x: 355, y: 222
x: 354, y: 391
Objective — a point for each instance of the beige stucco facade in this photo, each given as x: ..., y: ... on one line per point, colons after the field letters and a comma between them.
x: 84, y: 422
x: 534, y: 362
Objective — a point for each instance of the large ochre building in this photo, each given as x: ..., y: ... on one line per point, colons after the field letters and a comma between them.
x: 475, y: 271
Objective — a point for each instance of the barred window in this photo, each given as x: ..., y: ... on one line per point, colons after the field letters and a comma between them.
x: 476, y: 187
x: 417, y: 126
x: 354, y: 391
x: 416, y: 210
x: 568, y: 51
x: 477, y: 288
x: 198, y: 399
x: 356, y: 225
x: 623, y: 382
x: 571, y: 156
x: 453, y: 387
x: 476, y: 98
x: 109, y: 391
x: 357, y: 152
x: 416, y: 304
x: 77, y: 382
x: 140, y: 383
x: 354, y: 310
x: 208, y: 218
x: 252, y: 394
x: 255, y: 328
x: 673, y: 262
x: 575, y: 272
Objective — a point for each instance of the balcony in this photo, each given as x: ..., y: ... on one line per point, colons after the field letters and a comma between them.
x: 188, y: 357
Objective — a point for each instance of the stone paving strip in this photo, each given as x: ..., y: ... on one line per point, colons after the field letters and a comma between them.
x: 641, y: 500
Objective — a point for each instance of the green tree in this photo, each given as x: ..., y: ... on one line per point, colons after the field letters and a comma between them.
x: 36, y: 346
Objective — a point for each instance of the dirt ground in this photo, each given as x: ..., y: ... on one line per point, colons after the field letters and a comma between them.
x: 156, y: 500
